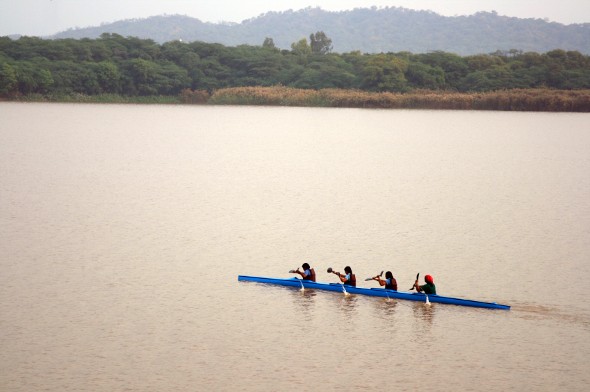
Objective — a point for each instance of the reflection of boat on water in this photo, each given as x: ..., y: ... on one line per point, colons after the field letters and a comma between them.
x: 373, y: 292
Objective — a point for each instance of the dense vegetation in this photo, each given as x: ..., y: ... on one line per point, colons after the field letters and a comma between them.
x: 371, y: 30
x: 512, y: 100
x: 130, y: 66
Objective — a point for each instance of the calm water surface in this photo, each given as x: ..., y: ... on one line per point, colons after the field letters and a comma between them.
x: 123, y: 229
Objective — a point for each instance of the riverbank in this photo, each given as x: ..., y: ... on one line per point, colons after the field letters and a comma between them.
x: 542, y: 100
x: 508, y: 100
x: 102, y: 98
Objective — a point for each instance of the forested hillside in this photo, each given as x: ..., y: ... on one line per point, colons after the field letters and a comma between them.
x: 369, y: 30
x: 113, y: 64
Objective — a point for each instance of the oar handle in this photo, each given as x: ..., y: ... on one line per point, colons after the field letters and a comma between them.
x: 374, y: 277
x: 417, y: 276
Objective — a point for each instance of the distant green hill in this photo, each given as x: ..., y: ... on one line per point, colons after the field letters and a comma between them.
x: 369, y: 30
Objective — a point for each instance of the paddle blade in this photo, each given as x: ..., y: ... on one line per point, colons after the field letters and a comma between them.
x: 329, y: 269
x: 292, y: 271
x: 381, y: 274
x: 366, y: 280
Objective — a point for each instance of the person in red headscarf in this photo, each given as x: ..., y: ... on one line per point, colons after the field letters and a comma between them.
x: 428, y: 288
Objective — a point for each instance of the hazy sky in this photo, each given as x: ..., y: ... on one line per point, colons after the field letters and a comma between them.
x: 45, y: 17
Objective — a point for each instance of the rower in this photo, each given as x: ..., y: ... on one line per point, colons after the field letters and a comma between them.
x: 308, y: 273
x: 428, y: 288
x: 389, y: 282
x: 348, y: 279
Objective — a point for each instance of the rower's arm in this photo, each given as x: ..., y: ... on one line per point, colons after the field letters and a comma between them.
x: 340, y: 276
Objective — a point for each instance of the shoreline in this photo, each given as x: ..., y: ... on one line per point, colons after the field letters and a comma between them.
x: 534, y: 100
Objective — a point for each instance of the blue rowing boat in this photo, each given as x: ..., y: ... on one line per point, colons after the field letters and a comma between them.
x: 373, y: 292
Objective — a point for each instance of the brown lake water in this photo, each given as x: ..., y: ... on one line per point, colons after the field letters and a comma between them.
x: 123, y: 229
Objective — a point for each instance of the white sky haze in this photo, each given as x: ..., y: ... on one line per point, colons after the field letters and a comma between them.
x: 46, y: 17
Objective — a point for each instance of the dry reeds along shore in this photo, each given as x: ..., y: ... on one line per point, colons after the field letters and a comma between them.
x: 510, y: 100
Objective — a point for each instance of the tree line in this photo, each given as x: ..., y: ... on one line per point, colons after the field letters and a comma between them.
x: 128, y: 66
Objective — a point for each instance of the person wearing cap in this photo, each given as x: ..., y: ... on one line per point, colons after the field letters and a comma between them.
x: 308, y: 273
x: 348, y: 279
x: 389, y: 282
x: 428, y: 288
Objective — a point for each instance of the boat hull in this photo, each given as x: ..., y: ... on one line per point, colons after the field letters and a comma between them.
x: 373, y: 292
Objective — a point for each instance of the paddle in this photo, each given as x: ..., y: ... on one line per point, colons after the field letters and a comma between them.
x: 417, y: 276
x: 330, y: 270
x: 300, y: 280
x: 381, y: 274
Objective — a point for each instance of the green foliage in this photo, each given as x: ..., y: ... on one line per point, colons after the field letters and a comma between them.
x: 108, y: 77
x: 269, y: 43
x: 384, y: 73
x: 32, y: 79
x: 116, y: 65
x: 455, y: 67
x: 424, y: 76
x: 301, y: 47
x: 8, y: 79
x: 320, y: 43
